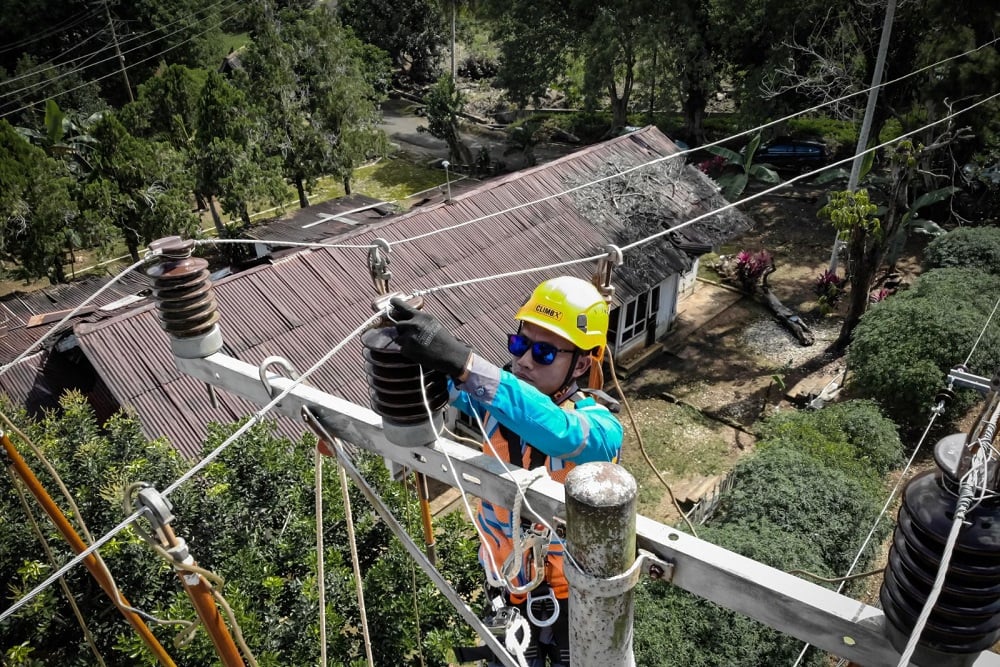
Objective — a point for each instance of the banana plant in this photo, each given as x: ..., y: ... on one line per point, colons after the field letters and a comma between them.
x: 733, y: 183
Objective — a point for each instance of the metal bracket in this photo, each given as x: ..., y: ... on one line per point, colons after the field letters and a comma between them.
x: 378, y: 264
x: 611, y: 587
x: 966, y: 380
x: 605, y: 270
x: 272, y: 391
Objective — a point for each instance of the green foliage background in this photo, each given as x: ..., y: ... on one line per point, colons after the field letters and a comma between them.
x: 805, y: 500
x: 249, y: 518
x: 904, y: 346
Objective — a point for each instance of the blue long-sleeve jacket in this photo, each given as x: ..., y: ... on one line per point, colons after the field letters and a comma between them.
x: 588, y: 433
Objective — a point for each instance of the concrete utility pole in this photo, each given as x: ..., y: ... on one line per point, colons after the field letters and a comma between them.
x: 600, y: 535
x: 866, y: 123
x: 121, y: 58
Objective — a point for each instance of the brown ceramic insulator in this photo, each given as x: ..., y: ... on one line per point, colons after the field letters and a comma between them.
x: 395, y: 388
x: 183, y: 291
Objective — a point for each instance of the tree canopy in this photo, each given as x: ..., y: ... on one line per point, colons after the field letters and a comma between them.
x: 249, y: 518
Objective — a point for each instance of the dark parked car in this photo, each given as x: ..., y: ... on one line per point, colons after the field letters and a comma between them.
x: 788, y: 153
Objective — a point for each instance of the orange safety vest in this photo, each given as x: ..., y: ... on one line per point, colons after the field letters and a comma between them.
x: 497, y: 532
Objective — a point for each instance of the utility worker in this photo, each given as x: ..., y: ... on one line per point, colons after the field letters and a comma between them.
x: 539, y: 410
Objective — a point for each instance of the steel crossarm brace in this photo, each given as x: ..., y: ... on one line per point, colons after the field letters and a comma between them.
x: 832, y: 622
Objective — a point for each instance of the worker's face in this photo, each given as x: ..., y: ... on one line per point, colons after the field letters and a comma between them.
x: 547, y: 379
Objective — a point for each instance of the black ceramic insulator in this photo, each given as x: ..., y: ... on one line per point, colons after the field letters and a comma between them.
x: 966, y: 618
x: 394, y: 382
x: 183, y: 292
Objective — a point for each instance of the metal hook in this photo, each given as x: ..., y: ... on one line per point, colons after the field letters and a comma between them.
x: 605, y: 270
x: 378, y: 264
x: 266, y: 381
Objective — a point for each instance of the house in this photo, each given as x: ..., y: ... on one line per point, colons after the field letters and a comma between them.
x: 302, y: 304
x: 37, y: 380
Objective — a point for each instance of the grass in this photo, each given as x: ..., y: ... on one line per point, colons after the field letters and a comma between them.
x: 681, y: 443
x: 388, y: 179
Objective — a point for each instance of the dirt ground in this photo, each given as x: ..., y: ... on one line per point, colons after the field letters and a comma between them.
x: 737, y: 367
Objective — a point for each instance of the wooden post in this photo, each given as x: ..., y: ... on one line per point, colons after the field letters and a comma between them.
x: 600, y: 536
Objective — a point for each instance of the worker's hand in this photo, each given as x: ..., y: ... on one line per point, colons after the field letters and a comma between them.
x: 424, y: 340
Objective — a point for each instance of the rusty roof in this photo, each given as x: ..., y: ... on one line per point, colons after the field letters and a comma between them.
x: 323, y: 220
x: 304, y: 304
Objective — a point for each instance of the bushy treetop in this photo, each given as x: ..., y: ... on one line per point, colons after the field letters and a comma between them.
x: 968, y: 247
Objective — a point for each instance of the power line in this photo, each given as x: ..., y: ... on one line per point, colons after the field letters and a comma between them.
x: 981, y: 333
x: 113, y: 57
x: 691, y: 150
x: 51, y: 30
x: 54, y: 65
x: 261, y: 413
x: 31, y: 348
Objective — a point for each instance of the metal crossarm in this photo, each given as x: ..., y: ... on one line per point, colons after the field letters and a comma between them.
x: 828, y: 620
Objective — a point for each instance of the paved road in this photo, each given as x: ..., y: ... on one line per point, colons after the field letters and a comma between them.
x: 400, y: 123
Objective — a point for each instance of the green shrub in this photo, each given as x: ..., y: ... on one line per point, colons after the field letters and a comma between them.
x: 801, y: 495
x: 853, y: 436
x: 904, y: 346
x: 971, y: 247
x: 721, y: 126
x: 674, y: 627
x: 840, y: 136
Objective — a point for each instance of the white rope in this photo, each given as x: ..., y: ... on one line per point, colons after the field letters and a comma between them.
x: 359, y: 586
x: 320, y: 554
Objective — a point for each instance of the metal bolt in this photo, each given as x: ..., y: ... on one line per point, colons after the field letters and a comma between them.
x: 655, y: 571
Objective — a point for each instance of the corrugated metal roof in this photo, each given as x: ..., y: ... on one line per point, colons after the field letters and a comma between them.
x: 308, y: 302
x: 323, y: 220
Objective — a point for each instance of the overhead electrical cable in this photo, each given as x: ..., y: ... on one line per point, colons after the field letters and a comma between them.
x: 144, y: 45
x: 71, y: 22
x: 50, y: 64
x: 260, y: 414
x: 118, y: 71
x: 688, y: 151
x: 31, y: 348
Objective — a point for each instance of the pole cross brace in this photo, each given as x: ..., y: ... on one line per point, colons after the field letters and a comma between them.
x: 966, y: 380
x: 612, y: 587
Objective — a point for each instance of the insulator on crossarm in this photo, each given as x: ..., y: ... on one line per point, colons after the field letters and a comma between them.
x: 395, y: 388
x: 966, y: 619
x: 185, y: 301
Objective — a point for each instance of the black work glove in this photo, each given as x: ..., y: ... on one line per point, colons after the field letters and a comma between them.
x: 424, y: 340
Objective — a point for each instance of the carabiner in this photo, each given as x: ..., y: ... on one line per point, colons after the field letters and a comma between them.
x: 378, y: 264
x: 605, y: 270
x: 548, y: 597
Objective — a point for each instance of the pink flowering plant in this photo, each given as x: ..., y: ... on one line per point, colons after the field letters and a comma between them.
x: 829, y: 287
x: 750, y: 267
x: 712, y: 166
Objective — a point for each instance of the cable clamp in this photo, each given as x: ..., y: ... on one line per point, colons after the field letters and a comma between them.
x: 157, y: 507
x: 645, y: 563
x: 605, y: 270
x: 378, y: 264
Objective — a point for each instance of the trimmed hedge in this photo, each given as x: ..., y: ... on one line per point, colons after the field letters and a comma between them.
x: 805, y: 500
x: 966, y: 247
x: 904, y: 346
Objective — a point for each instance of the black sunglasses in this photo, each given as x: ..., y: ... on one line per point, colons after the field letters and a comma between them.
x: 542, y: 353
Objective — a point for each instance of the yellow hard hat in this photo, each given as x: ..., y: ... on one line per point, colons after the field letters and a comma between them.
x: 571, y: 308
